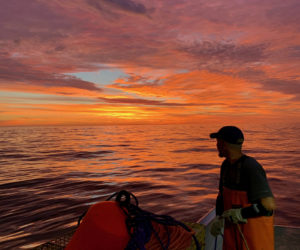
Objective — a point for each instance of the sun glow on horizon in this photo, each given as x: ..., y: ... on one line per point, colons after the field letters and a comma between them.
x: 128, y: 112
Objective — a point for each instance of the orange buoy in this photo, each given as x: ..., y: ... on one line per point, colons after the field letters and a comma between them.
x: 103, y: 227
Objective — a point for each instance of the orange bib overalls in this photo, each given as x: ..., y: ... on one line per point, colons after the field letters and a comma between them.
x: 258, y: 232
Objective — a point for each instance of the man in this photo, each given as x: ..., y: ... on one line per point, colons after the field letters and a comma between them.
x: 245, y: 201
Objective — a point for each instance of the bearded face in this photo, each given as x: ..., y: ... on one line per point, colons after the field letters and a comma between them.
x: 222, y: 149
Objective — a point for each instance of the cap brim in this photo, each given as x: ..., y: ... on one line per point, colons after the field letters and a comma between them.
x: 213, y: 135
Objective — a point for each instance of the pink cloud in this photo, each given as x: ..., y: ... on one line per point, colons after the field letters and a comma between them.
x: 13, y: 72
x: 255, y: 43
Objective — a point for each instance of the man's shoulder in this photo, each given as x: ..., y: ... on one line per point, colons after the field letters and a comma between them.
x: 250, y: 161
x: 251, y: 164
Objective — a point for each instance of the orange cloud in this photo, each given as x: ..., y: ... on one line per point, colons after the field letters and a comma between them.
x: 185, y: 62
x: 208, y: 92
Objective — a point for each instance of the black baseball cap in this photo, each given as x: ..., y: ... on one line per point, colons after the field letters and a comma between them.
x: 230, y: 134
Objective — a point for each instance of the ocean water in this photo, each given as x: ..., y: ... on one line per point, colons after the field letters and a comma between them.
x: 50, y: 175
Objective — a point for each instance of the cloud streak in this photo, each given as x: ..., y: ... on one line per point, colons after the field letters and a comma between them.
x: 224, y: 53
x: 15, y: 72
x: 188, y: 59
x: 125, y: 5
x: 143, y: 102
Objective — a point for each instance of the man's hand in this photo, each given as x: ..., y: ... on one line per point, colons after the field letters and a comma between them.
x: 234, y: 215
x: 216, y: 226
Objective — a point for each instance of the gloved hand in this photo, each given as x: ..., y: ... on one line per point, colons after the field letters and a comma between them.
x: 216, y: 226
x: 234, y: 215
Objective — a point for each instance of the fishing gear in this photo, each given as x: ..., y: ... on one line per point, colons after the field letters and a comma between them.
x: 140, y: 222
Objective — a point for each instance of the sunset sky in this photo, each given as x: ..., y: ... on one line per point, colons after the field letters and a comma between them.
x: 88, y: 62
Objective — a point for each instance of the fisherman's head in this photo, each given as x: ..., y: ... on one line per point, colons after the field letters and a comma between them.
x: 229, y: 140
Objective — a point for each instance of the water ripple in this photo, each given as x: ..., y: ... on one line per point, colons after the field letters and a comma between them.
x: 50, y: 176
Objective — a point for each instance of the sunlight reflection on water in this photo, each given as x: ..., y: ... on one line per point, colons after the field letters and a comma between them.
x: 50, y: 175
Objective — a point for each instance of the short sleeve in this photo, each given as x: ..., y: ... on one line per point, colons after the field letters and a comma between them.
x: 258, y: 186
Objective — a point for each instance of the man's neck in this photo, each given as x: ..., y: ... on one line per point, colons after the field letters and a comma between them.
x: 234, y: 156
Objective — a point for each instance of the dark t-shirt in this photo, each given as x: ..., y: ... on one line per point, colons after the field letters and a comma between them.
x: 246, y: 174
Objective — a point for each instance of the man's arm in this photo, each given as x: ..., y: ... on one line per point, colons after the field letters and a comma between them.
x: 259, y: 192
x: 264, y: 207
x: 219, y: 205
x: 268, y: 203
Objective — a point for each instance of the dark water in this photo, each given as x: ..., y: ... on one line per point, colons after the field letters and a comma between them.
x: 50, y: 175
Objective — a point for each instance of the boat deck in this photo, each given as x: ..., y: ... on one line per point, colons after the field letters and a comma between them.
x: 287, y: 238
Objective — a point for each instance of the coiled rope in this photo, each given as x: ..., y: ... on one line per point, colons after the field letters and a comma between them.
x: 140, y: 226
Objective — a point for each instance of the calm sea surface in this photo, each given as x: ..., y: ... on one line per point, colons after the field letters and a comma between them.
x: 50, y: 175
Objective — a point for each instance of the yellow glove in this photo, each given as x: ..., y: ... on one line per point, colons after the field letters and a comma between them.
x: 216, y: 226
x: 234, y: 215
